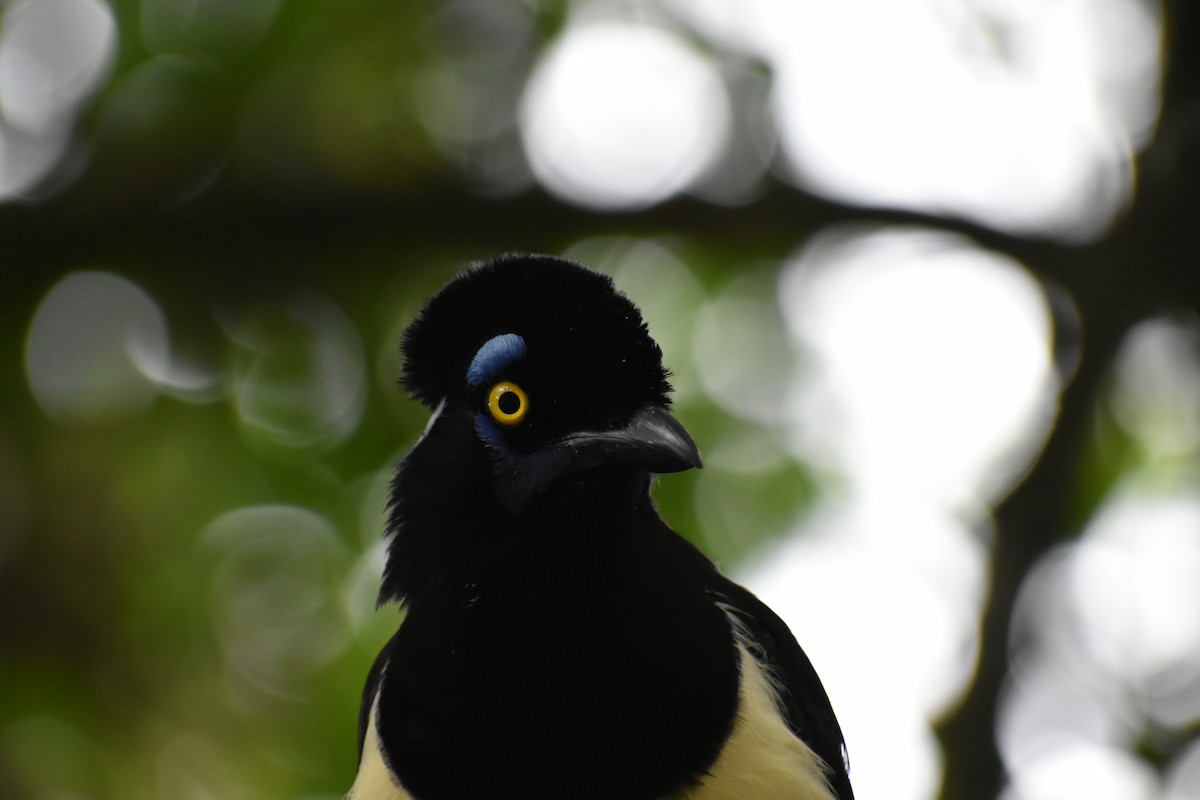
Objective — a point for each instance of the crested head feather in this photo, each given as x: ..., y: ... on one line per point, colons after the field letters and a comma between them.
x: 566, y: 314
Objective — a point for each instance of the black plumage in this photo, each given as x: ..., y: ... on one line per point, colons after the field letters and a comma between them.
x: 560, y: 640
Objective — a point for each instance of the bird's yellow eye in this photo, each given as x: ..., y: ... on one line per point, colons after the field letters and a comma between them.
x: 508, y: 403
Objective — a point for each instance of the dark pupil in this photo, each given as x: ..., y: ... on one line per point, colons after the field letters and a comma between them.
x: 509, y: 403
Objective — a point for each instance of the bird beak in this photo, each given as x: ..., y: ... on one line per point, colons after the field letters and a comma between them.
x: 653, y: 440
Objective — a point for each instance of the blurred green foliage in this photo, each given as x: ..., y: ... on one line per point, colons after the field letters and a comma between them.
x: 188, y: 587
x: 187, y: 577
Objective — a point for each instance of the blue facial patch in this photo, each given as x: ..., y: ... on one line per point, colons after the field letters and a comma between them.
x: 494, y: 357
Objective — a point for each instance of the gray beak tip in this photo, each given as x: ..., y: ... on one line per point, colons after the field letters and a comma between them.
x: 653, y: 439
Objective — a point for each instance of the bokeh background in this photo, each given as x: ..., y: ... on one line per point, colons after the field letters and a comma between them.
x: 926, y: 272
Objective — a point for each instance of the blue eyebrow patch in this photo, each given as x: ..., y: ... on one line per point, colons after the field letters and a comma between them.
x: 495, y: 356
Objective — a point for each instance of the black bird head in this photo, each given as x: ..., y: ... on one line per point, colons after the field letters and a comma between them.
x: 550, y: 368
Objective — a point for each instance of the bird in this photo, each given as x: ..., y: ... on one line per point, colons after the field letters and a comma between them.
x: 559, y: 641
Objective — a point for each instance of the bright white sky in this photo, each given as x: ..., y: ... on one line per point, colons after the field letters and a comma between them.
x: 621, y: 114
x: 1016, y: 113
x: 927, y: 385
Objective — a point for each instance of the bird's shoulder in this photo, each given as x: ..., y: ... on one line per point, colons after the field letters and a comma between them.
x: 762, y: 758
x: 802, y: 698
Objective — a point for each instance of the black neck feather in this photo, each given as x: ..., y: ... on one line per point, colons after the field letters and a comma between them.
x: 577, y: 642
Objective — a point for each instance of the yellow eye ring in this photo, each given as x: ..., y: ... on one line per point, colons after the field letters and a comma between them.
x: 508, y: 403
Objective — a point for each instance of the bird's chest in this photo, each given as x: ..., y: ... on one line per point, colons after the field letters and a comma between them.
x: 517, y: 686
